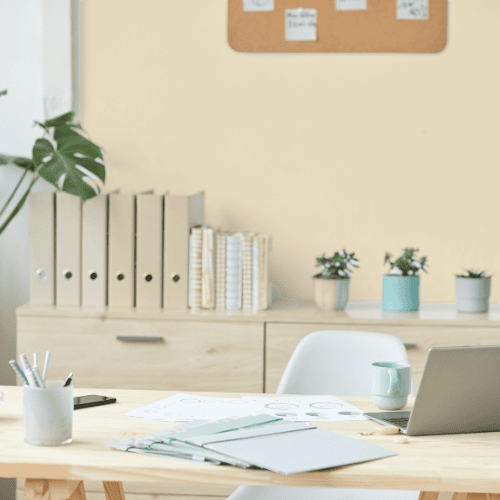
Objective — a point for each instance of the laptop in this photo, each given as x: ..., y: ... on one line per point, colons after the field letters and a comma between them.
x: 459, y: 393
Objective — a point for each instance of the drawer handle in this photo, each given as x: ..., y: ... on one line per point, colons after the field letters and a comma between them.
x: 410, y: 345
x: 127, y: 338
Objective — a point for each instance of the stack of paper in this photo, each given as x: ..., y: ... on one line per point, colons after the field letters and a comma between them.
x: 189, y: 407
x: 262, y: 441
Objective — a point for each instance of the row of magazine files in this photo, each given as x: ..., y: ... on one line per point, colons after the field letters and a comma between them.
x: 117, y: 250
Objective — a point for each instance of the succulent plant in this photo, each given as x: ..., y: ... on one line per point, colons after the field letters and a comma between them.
x: 337, y: 266
x: 473, y: 274
x: 407, y: 264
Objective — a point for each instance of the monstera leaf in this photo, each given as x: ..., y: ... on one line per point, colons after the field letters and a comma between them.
x: 76, y: 165
x: 64, y: 157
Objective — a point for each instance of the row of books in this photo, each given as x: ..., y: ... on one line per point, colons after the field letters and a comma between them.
x: 228, y: 271
x: 120, y: 250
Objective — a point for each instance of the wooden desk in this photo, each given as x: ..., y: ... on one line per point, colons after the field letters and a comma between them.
x: 433, y: 464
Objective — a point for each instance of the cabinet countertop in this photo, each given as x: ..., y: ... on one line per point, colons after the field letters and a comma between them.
x: 362, y: 313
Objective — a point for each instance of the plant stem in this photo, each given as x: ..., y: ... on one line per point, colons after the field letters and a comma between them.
x: 13, y: 192
x: 17, y: 160
x: 19, y: 205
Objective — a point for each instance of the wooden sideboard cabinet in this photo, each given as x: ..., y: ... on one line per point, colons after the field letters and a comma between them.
x: 434, y: 325
x: 179, y: 350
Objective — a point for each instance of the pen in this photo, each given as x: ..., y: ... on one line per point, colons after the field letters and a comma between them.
x: 25, y: 362
x: 31, y: 377
x: 36, y: 373
x: 38, y: 378
x: 28, y: 371
x: 18, y: 370
x: 46, y: 366
x: 68, y: 380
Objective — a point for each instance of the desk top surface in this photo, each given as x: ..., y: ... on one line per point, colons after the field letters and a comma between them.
x: 463, y: 463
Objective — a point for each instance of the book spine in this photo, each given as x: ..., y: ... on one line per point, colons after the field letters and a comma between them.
x: 207, y: 269
x: 234, y: 272
x: 262, y: 277
x: 195, y: 263
x: 220, y: 272
x: 255, y: 274
x: 246, y: 278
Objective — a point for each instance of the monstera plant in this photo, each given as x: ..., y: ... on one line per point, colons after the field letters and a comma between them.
x: 63, y: 157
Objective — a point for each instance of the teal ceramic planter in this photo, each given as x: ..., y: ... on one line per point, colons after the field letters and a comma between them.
x: 401, y: 293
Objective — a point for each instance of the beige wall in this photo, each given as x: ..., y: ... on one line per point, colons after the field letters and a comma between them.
x: 371, y: 152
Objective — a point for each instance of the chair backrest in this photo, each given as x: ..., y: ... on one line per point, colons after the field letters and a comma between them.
x: 338, y: 362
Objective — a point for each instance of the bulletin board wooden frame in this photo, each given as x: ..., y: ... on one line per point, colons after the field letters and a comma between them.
x: 375, y: 29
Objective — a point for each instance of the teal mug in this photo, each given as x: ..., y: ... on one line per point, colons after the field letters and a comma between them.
x: 391, y: 384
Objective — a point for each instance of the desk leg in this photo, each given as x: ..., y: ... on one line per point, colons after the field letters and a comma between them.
x: 113, y: 490
x: 428, y: 495
x: 53, y: 489
x: 445, y: 495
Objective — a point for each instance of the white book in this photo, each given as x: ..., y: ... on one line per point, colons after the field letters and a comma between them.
x: 255, y: 274
x: 220, y: 271
x: 207, y: 269
x: 195, y: 264
x: 264, y: 244
x: 234, y: 257
x: 247, y: 274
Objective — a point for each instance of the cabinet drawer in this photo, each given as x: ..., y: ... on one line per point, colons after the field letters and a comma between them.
x: 166, y: 355
x: 282, y: 339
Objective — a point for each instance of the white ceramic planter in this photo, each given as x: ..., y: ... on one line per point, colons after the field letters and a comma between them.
x: 472, y: 294
x: 331, y: 295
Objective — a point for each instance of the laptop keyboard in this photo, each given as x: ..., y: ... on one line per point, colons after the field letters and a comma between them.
x: 398, y: 422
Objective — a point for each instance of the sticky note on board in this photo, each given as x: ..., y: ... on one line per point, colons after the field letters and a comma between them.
x: 351, y: 4
x: 300, y: 25
x: 412, y: 9
x: 258, y: 5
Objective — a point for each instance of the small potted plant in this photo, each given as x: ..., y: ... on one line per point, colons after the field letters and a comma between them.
x: 331, y: 285
x: 472, y: 291
x: 401, y: 286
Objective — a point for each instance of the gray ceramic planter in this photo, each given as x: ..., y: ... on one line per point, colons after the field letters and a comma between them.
x: 472, y: 294
x: 331, y: 295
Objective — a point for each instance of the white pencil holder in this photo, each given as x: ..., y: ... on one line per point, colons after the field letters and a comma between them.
x: 48, y: 414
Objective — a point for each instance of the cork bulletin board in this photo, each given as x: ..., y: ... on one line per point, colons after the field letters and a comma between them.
x: 327, y: 26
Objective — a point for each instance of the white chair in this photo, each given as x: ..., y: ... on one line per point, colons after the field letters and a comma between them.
x: 336, y: 363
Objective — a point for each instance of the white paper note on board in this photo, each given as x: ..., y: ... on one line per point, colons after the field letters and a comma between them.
x: 258, y: 5
x: 412, y: 9
x: 351, y: 4
x: 300, y: 25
